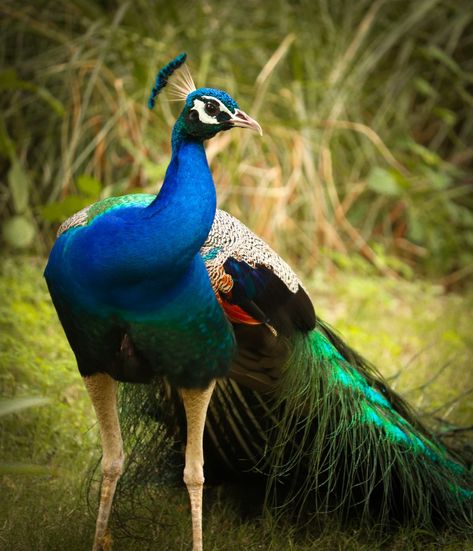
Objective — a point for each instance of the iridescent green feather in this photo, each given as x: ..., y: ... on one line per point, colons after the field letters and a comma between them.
x: 135, y: 200
x: 85, y: 216
x: 345, y: 442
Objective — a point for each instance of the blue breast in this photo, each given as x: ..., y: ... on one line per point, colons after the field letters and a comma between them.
x: 136, y: 271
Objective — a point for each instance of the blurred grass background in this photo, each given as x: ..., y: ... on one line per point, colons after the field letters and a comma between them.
x: 366, y: 108
x: 362, y: 180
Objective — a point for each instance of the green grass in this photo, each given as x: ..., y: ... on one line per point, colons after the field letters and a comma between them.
x: 46, y: 451
x: 48, y: 516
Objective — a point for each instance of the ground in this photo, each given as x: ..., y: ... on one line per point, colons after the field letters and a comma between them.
x: 417, y: 335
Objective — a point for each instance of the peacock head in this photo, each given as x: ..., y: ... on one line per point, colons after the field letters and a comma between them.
x: 207, y: 111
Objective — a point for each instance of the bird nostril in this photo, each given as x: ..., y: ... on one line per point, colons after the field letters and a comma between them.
x: 241, y: 115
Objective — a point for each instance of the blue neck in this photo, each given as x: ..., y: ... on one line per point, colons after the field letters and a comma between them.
x: 138, y: 258
x: 185, y: 206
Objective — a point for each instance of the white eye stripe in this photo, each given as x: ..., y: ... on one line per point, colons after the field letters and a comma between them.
x: 222, y: 106
x: 199, y: 106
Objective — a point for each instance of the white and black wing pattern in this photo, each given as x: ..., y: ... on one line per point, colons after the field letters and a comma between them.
x: 255, y: 285
x: 230, y: 238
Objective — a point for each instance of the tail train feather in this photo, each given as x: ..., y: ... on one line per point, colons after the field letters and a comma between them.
x: 355, y: 444
x: 331, y: 437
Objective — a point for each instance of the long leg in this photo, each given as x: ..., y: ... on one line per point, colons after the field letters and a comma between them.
x: 103, y: 393
x: 195, y: 403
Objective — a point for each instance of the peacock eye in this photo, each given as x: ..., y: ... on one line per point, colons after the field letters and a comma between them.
x: 212, y: 109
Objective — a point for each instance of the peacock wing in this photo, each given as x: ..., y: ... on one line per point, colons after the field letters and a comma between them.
x: 262, y: 297
x: 253, y: 283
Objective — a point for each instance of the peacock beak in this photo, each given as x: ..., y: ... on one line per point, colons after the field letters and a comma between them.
x: 241, y: 119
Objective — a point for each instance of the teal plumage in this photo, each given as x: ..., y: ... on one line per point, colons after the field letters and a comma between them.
x: 151, y: 288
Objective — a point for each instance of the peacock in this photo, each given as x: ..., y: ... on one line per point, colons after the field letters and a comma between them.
x: 169, y: 291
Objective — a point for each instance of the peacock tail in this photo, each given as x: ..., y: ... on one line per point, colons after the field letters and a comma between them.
x: 354, y: 445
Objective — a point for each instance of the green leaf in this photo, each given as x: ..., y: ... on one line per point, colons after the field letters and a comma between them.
x: 19, y: 183
x: 427, y: 155
x: 53, y: 212
x: 18, y: 232
x: 436, y: 179
x: 425, y: 88
x: 440, y: 55
x: 446, y: 115
x: 9, y: 80
x: 60, y: 210
x: 48, y: 98
x: 384, y: 182
x: 89, y: 185
x: 6, y: 145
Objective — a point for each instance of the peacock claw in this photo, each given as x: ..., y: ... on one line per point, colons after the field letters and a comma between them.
x: 105, y: 543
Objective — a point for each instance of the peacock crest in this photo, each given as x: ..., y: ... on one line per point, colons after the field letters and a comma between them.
x: 181, y: 85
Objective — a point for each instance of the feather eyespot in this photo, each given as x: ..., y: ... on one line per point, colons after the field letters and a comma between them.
x: 211, y: 108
